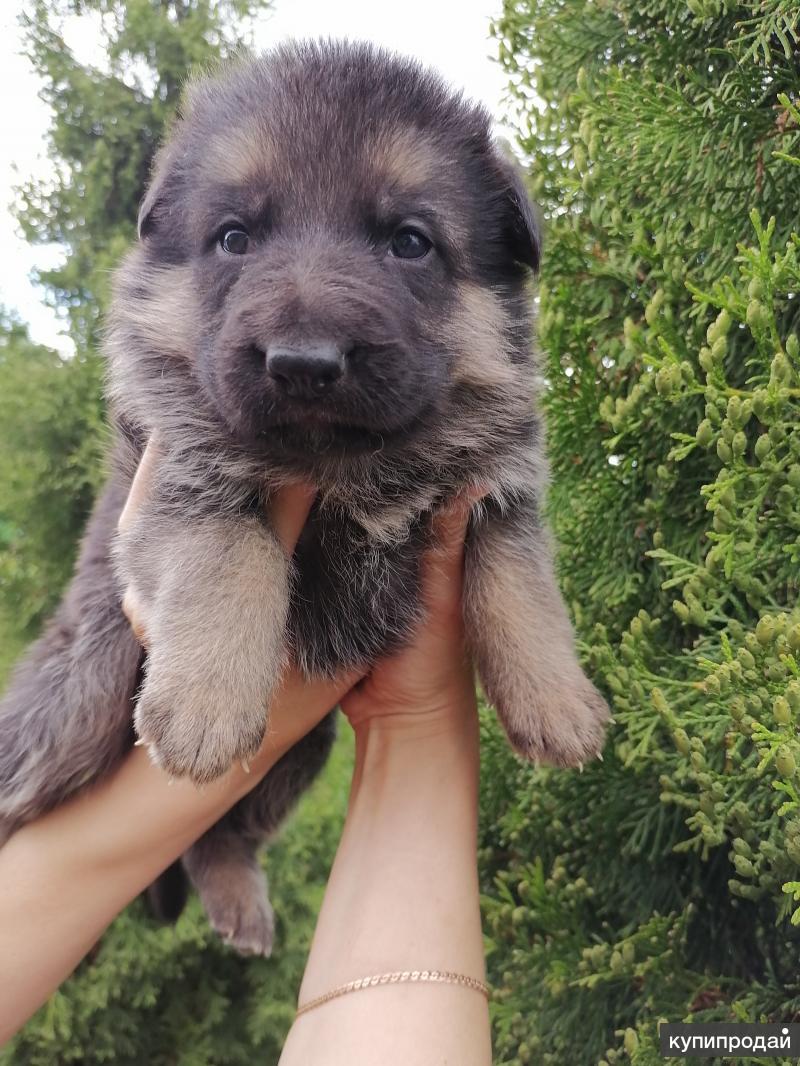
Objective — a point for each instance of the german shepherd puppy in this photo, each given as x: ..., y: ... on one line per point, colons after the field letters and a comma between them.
x: 330, y: 285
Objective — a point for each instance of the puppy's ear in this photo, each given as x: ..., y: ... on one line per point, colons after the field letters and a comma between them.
x: 523, y: 231
x: 147, y: 211
x: 155, y: 204
x: 168, y: 168
x: 160, y: 192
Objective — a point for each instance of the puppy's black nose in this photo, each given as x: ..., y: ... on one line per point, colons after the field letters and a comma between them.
x: 305, y: 371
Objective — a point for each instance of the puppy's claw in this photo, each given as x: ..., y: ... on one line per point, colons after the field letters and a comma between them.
x: 600, y: 756
x: 245, y: 766
x: 139, y: 742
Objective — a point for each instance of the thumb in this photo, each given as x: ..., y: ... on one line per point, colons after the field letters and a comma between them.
x: 289, y: 507
x: 140, y: 486
x: 444, y: 561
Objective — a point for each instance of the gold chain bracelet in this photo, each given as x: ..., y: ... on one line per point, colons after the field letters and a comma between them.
x: 399, y: 977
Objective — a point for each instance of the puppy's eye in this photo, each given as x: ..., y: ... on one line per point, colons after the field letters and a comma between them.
x: 234, y: 240
x: 409, y: 243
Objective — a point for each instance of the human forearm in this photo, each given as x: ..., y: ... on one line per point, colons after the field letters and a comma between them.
x: 408, y: 845
x: 66, y: 876
x: 403, y: 895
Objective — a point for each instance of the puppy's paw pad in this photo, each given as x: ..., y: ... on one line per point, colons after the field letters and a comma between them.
x: 569, y: 731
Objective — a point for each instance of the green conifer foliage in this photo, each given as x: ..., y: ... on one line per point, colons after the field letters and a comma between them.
x: 51, y: 429
x: 664, y: 882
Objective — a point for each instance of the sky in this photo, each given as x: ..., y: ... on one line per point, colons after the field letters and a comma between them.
x: 452, y: 35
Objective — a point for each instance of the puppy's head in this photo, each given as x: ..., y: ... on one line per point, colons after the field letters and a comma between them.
x: 334, y: 244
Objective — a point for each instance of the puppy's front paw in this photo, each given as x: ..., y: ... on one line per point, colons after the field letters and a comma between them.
x: 195, y: 730
x: 560, y: 725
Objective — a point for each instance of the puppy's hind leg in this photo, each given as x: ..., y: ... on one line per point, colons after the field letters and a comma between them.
x: 224, y: 868
x: 223, y: 865
x: 65, y: 717
x: 522, y: 640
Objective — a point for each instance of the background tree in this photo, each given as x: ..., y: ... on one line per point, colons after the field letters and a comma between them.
x: 664, y: 138
x: 108, y: 120
x: 52, y: 426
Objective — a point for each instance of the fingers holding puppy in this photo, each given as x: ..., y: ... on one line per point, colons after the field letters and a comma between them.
x: 140, y: 490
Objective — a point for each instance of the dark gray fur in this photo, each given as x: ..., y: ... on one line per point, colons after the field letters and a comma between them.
x: 320, y: 151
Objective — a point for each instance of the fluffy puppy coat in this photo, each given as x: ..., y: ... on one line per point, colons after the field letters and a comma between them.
x: 330, y: 285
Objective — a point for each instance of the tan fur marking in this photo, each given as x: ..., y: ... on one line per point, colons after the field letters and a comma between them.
x: 233, y: 888
x: 475, y: 333
x: 166, y: 320
x: 238, y: 155
x: 203, y: 703
x: 405, y: 157
x: 524, y: 648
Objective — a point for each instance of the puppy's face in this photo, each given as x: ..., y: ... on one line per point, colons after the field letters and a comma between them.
x: 347, y: 247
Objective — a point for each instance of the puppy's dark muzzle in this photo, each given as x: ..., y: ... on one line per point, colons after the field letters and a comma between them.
x: 307, y: 371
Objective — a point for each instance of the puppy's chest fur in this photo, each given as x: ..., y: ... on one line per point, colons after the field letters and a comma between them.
x: 355, y: 593
x: 353, y: 598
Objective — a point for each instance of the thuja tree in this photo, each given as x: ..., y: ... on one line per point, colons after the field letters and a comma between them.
x: 51, y: 425
x: 146, y: 993
x: 662, y: 883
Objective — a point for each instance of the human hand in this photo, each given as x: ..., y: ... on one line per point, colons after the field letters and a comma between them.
x: 403, y: 892
x: 430, y: 679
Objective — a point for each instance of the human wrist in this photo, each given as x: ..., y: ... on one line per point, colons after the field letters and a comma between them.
x: 400, y: 726
x: 408, y: 746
